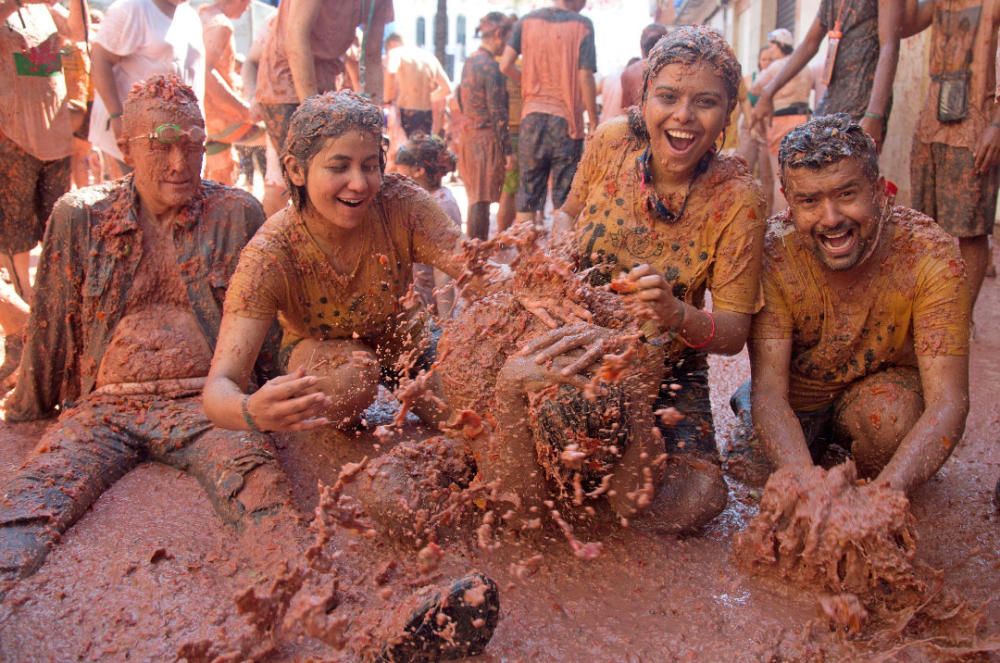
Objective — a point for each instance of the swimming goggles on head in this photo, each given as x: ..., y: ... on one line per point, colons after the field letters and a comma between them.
x: 170, y: 133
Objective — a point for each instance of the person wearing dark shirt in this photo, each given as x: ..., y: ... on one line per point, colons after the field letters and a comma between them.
x: 485, y: 141
x: 862, y: 54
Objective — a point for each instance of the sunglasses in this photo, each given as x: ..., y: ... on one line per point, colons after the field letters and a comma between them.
x: 171, y: 134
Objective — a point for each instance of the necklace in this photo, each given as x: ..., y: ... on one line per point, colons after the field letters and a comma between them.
x: 654, y: 203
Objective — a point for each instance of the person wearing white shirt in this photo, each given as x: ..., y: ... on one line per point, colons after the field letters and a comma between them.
x: 136, y: 39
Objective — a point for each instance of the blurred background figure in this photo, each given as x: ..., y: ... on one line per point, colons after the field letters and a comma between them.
x: 559, y: 59
x: 36, y: 140
x: 227, y: 115
x: 136, y: 39
x: 512, y: 179
x: 752, y: 145
x: 485, y: 140
x: 426, y: 160
x: 412, y: 77
x: 304, y: 55
x: 791, y: 103
x: 631, y: 78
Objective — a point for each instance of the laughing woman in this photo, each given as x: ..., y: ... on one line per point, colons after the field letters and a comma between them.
x: 335, y: 269
x: 654, y: 198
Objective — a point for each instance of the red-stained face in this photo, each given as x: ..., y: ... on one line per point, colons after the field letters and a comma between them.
x: 839, y: 208
x: 686, y: 109
x: 342, y: 179
x: 166, y: 176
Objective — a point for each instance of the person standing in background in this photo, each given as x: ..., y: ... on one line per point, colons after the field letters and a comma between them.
x: 412, y: 77
x: 225, y: 111
x: 485, y: 139
x: 512, y: 178
x: 632, y: 75
x: 956, y: 149
x: 139, y: 38
x: 751, y: 145
x: 304, y: 55
x: 791, y: 104
x: 861, y: 58
x: 559, y: 60
x: 36, y: 138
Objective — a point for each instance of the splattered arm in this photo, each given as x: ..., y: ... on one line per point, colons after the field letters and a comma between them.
x: 102, y: 71
x: 301, y: 18
x: 773, y: 418
x: 890, y: 18
x: 722, y: 332
x: 287, y: 403
x: 941, y: 315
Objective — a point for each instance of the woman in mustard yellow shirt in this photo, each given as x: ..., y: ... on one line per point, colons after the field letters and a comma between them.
x: 654, y: 200
x: 335, y: 269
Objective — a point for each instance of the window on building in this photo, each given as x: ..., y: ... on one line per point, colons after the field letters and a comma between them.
x: 785, y: 15
x: 421, y: 31
x: 460, y: 29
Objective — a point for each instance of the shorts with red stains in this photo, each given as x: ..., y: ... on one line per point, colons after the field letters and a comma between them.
x: 29, y: 190
x: 545, y: 152
x: 947, y: 189
x: 827, y: 426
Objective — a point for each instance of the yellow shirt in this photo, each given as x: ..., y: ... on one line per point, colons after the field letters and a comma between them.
x: 915, y: 304
x: 283, y: 272
x: 716, y: 244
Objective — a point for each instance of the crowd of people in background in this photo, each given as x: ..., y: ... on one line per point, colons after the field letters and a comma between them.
x: 666, y: 168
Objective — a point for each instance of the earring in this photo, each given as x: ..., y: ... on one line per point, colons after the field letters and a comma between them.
x: 717, y: 147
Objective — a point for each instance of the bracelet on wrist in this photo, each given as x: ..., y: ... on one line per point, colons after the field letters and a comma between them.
x: 247, y: 417
x: 874, y: 116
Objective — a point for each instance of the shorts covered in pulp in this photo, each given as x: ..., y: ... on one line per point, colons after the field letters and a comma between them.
x: 545, y: 150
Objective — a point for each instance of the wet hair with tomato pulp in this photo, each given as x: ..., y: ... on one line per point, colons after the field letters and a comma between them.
x: 429, y: 153
x: 166, y: 92
x: 827, y: 140
x: 689, y: 45
x: 322, y: 117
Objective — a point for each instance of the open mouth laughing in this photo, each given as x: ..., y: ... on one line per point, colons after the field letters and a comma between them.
x: 839, y: 243
x: 680, y: 140
x: 351, y: 202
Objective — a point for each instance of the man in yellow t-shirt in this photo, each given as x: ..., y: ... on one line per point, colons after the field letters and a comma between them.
x: 864, y: 334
